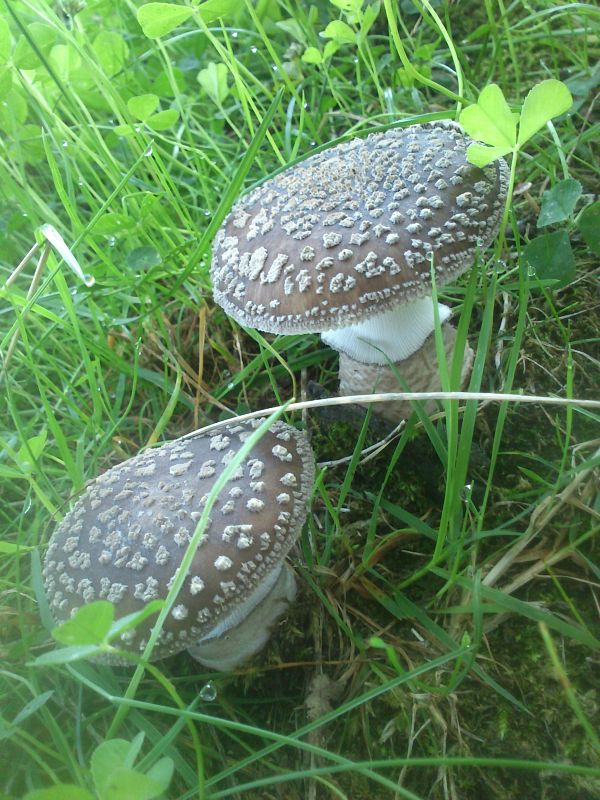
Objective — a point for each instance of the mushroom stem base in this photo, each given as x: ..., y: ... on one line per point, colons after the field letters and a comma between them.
x: 417, y: 373
x: 237, y: 644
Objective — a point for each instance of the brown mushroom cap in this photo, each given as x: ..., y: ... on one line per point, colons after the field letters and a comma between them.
x: 349, y: 232
x: 124, y: 539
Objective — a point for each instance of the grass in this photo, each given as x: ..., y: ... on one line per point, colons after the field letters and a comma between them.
x: 444, y: 643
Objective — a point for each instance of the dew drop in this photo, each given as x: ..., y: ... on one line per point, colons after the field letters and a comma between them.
x: 252, y: 50
x: 207, y: 213
x: 466, y: 492
x: 234, y: 35
x: 148, y: 151
x: 274, y: 68
x: 208, y: 692
x: 111, y: 240
x: 65, y: 144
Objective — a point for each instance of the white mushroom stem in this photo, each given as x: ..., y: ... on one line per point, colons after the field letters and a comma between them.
x: 246, y: 631
x: 404, y: 338
x: 419, y: 372
x: 393, y: 336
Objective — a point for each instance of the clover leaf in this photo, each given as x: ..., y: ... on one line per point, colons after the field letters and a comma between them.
x: 491, y: 121
x: 545, y: 101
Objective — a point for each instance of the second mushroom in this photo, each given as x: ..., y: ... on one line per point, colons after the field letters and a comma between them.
x: 124, y: 539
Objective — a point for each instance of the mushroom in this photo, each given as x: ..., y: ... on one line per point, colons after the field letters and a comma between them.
x: 343, y: 243
x: 124, y: 539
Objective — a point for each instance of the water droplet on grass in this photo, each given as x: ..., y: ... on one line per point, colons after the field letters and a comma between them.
x: 252, y: 50
x: 234, y: 35
x: 208, y: 692
x: 466, y: 492
x: 148, y: 151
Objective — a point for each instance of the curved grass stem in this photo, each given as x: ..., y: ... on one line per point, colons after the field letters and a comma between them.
x: 414, y: 73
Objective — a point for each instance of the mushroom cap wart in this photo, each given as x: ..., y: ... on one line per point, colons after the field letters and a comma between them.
x: 349, y: 232
x: 125, y: 536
